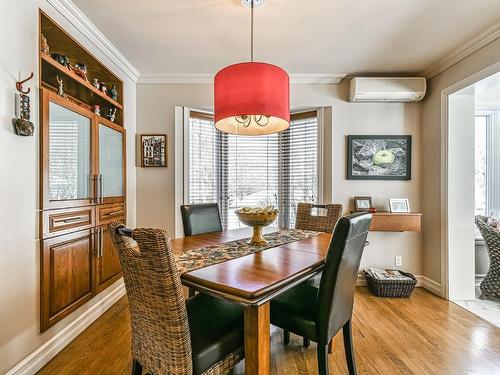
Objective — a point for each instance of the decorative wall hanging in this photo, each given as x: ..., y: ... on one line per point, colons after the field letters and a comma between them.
x: 252, y: 98
x: 379, y: 157
x: 154, y: 150
x: 22, y: 124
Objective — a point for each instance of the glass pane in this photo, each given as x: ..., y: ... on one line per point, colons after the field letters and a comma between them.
x: 69, y: 154
x: 110, y: 161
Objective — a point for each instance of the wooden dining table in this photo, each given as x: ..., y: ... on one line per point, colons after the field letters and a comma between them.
x: 251, y: 281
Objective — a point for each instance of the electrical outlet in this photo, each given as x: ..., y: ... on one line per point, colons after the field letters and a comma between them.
x: 398, y: 261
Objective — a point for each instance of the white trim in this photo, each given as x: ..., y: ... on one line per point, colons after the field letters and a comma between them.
x: 479, y: 277
x: 467, y: 81
x: 432, y: 286
x: 81, y: 22
x: 36, y: 360
x: 466, y: 50
x: 208, y: 78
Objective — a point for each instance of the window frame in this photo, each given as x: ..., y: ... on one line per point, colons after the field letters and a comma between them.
x: 186, y: 163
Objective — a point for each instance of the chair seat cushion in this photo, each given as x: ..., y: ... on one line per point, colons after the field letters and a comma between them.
x: 216, y: 329
x: 295, y: 310
x: 315, y: 280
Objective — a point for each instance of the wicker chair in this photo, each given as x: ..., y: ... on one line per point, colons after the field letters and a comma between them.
x: 490, y: 286
x: 326, y: 223
x: 171, y: 336
x: 306, y: 221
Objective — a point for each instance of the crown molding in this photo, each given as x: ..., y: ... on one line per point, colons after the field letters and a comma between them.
x: 80, y: 21
x: 466, y: 50
x: 208, y: 78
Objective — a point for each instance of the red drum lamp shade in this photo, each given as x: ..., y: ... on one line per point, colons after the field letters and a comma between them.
x: 252, y: 98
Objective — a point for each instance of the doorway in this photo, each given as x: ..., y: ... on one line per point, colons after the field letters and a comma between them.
x: 473, y: 191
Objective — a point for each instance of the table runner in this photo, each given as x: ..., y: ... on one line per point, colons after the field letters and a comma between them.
x: 209, y: 255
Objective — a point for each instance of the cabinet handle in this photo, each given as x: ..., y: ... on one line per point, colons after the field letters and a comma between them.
x: 113, y: 213
x: 96, y: 244
x: 74, y: 220
x: 96, y: 191
x: 101, y: 198
x: 101, y: 241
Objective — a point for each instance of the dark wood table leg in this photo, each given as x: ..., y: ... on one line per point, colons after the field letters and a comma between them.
x: 257, y: 331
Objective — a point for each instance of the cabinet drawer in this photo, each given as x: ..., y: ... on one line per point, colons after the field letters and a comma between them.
x: 57, y: 222
x: 109, y: 212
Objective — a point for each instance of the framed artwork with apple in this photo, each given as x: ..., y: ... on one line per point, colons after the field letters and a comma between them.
x: 379, y: 157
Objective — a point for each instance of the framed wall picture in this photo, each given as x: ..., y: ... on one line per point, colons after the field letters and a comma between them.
x: 399, y: 205
x: 154, y: 150
x: 362, y: 203
x: 379, y: 157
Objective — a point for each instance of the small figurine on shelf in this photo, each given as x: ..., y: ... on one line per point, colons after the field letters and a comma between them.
x: 96, y: 83
x: 97, y: 109
x: 81, y: 71
x: 44, y: 46
x: 103, y: 87
x: 60, y: 88
x: 113, y: 93
x: 112, y: 114
x: 63, y: 60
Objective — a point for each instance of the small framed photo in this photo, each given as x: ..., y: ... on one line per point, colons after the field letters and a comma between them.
x: 399, y: 205
x: 154, y: 150
x: 362, y: 203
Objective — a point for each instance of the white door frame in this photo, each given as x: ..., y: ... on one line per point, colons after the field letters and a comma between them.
x: 482, y: 74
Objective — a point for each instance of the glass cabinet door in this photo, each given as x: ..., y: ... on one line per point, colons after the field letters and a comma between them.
x: 69, y: 161
x: 111, y: 160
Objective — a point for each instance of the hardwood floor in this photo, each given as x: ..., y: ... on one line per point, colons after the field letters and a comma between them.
x: 420, y: 335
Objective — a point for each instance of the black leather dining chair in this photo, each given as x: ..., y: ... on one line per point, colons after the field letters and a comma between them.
x: 318, y: 313
x: 200, y: 218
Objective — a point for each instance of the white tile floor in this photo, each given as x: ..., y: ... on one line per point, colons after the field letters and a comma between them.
x: 489, y: 310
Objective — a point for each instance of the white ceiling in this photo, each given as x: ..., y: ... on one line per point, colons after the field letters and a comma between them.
x: 303, y: 36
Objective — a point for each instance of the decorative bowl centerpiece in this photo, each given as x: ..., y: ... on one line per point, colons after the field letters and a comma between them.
x: 257, y: 218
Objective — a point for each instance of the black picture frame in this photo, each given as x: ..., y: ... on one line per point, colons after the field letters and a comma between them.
x: 405, y: 140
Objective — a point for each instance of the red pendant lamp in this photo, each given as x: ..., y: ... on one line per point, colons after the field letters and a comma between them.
x: 252, y: 98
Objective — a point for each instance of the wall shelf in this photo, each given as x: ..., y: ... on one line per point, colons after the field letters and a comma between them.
x: 396, y: 222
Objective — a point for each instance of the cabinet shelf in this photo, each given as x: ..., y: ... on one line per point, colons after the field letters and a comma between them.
x: 77, y: 86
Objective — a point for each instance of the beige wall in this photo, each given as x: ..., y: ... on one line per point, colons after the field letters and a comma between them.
x: 155, y: 187
x: 431, y: 156
x: 19, y: 252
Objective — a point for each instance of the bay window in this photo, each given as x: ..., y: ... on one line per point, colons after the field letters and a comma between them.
x: 240, y: 171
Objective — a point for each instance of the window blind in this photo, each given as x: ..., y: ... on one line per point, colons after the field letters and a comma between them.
x: 235, y: 171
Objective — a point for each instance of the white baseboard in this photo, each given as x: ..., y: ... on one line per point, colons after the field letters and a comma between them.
x: 35, y: 361
x: 479, y: 277
x: 432, y: 286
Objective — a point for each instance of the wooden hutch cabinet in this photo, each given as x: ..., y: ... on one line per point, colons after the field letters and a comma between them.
x: 82, y: 178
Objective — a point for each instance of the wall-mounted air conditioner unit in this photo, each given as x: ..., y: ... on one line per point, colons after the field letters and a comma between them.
x: 387, y: 89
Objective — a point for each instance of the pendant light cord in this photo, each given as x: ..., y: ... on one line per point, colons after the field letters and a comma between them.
x: 251, y: 33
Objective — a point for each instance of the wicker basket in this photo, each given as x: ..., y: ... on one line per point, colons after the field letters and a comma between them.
x: 391, y: 288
